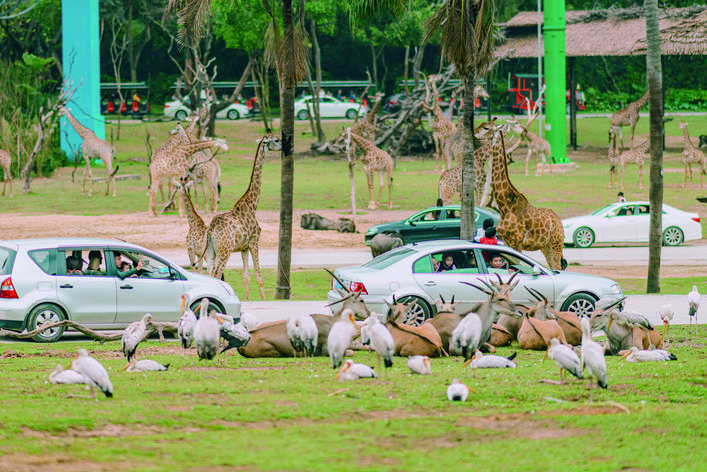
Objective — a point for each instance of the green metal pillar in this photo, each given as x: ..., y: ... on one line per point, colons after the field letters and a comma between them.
x: 81, y: 64
x: 555, y: 79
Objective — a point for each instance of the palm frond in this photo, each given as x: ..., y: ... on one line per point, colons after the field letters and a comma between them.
x: 362, y: 11
x: 191, y: 18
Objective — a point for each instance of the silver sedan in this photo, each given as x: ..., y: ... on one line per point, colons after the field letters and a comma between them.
x: 412, y: 273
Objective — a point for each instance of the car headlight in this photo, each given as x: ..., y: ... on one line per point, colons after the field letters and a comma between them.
x: 228, y: 288
x: 371, y: 231
x: 616, y: 289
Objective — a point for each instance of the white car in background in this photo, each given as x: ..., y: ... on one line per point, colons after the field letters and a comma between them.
x: 175, y: 109
x: 630, y: 222
x: 329, y: 107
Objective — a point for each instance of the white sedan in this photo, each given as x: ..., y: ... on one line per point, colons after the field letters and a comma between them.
x: 178, y: 111
x: 630, y: 222
x: 329, y: 107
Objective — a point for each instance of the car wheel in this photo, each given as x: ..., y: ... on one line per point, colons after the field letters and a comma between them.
x: 303, y: 115
x: 581, y: 304
x: 351, y: 114
x: 417, y: 312
x: 43, y: 314
x: 672, y: 236
x: 583, y: 237
x: 233, y: 115
x: 181, y: 115
x: 212, y: 306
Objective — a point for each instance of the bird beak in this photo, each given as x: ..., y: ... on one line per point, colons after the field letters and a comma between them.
x: 426, y: 362
x: 624, y: 356
x: 182, y: 307
x: 466, y: 364
x: 665, y: 325
x: 220, y: 320
x: 547, y: 352
x: 611, y: 320
x: 126, y: 366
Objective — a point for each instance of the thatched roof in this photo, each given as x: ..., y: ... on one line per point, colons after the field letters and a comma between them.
x: 687, y: 37
x: 612, y: 32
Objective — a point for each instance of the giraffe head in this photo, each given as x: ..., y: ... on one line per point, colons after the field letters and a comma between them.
x: 63, y: 111
x: 221, y: 144
x: 270, y: 142
x: 479, y: 91
x: 683, y: 125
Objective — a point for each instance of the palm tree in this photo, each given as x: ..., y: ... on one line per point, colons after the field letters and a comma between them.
x: 466, y: 28
x: 655, y: 101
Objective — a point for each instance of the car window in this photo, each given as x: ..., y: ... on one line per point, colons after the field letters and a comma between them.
x: 643, y: 209
x: 327, y: 100
x: 431, y: 215
x: 511, y: 263
x: 461, y: 261
x: 152, y: 269
x: 7, y: 257
x: 45, y: 259
x: 452, y: 215
x: 600, y: 210
x: 625, y: 210
x: 84, y: 261
x: 388, y: 258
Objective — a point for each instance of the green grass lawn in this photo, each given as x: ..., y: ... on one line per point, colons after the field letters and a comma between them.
x: 290, y: 414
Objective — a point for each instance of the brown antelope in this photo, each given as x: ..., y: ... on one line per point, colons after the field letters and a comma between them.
x: 535, y: 334
x: 445, y: 321
x: 568, y: 321
x: 500, y: 336
x: 423, y: 340
x: 623, y: 328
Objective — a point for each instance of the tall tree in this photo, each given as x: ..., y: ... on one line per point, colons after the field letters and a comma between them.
x: 466, y: 28
x: 655, y: 103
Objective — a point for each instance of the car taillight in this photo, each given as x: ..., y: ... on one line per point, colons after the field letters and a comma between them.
x: 696, y: 218
x: 7, y: 290
x: 358, y: 287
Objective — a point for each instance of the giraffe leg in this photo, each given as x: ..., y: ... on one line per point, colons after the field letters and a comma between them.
x: 246, y: 277
x: 86, y: 170
x: 689, y: 165
x: 255, y: 254
x: 371, y: 190
x: 623, y: 168
x: 381, y: 184
x: 152, y: 206
x: 527, y: 158
x: 390, y: 190
x: 435, y: 138
x: 684, y: 184
x: 640, y: 176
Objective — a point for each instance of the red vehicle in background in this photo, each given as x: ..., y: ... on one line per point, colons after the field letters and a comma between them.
x: 134, y: 94
x: 525, y: 86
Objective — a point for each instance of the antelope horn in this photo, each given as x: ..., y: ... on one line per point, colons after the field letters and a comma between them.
x: 532, y: 292
x: 488, y: 284
x: 515, y: 274
x: 442, y: 298
x: 481, y: 289
x: 452, y: 302
x: 498, y: 276
x: 537, y: 293
x: 338, y: 280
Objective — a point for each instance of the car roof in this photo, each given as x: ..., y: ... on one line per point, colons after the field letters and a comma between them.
x: 33, y: 243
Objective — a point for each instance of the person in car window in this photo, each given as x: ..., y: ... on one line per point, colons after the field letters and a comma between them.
x: 497, y: 261
x: 73, y: 265
x: 124, y: 269
x: 447, y: 263
x: 94, y: 263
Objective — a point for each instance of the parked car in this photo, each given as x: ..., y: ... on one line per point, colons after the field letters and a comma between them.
x: 329, y: 107
x: 408, y: 274
x: 180, y: 112
x: 630, y: 222
x: 36, y: 288
x: 395, y: 102
x: 432, y: 223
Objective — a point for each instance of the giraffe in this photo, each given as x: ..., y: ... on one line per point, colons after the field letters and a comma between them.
x: 6, y: 164
x: 367, y: 126
x: 92, y: 147
x: 442, y: 128
x: 176, y: 163
x: 637, y: 155
x: 196, y: 234
x: 691, y: 155
x: 375, y: 159
x: 613, y: 155
x: 237, y: 229
x: 522, y: 226
x: 629, y: 117
x: 537, y: 146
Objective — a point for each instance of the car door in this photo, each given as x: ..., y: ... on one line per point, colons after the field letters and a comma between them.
x: 327, y: 107
x: 619, y: 225
x: 153, y: 290
x: 90, y: 299
x: 641, y: 222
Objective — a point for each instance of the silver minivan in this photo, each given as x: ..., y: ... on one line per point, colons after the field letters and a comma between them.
x: 99, y: 283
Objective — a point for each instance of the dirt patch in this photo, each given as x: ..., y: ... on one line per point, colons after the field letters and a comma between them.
x: 107, y: 431
x: 56, y: 463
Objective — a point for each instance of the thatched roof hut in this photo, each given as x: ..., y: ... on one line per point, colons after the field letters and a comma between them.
x: 688, y: 37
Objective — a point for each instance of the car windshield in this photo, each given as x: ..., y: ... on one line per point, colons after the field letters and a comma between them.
x: 389, y: 258
x: 601, y: 210
x: 7, y: 256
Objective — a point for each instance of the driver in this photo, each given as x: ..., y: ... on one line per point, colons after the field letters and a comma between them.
x: 127, y: 273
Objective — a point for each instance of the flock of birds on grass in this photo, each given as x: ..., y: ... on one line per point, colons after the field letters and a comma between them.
x: 469, y: 334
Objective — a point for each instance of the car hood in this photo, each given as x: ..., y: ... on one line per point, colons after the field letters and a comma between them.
x: 580, y: 220
x: 379, y: 228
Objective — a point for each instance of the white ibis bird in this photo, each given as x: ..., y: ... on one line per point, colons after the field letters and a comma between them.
x: 133, y: 334
x: 593, y: 360
x: 489, y: 361
x: 93, y: 372
x: 466, y: 337
x: 65, y: 376
x: 340, y: 336
x: 457, y: 391
x: 565, y: 358
x: 249, y: 320
x: 419, y: 365
x: 352, y: 371
x: 656, y: 355
x: 186, y: 323
x: 693, y: 299
x: 303, y: 334
x: 381, y: 341
x: 145, y: 365
x: 666, y: 313
x: 207, y: 332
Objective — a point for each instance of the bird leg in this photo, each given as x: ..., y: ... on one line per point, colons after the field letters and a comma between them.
x: 591, y: 398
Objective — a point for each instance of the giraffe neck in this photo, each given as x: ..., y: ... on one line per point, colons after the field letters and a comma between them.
x: 504, y: 193
x: 193, y: 218
x: 641, y: 102
x: 78, y: 127
x: 189, y: 149
x: 365, y: 145
x: 371, y: 116
x: 252, y: 194
x: 686, y: 137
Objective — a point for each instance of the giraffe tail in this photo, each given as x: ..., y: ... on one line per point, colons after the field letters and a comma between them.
x: 117, y: 166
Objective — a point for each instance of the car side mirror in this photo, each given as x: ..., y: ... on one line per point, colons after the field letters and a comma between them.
x: 536, y: 270
x: 411, y: 223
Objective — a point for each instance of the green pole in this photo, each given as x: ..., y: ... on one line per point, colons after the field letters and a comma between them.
x: 81, y: 59
x: 555, y: 79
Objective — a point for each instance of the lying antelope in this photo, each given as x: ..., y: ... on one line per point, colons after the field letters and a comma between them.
x: 568, y: 321
x: 623, y: 329
x: 423, y: 340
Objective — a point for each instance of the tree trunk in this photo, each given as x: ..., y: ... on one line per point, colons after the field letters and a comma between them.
x: 407, y: 61
x: 467, y: 208
x: 287, y: 123
x: 374, y: 58
x: 321, y: 136
x: 655, y: 195
x: 416, y: 64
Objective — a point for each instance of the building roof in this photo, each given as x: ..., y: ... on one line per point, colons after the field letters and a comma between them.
x: 612, y: 32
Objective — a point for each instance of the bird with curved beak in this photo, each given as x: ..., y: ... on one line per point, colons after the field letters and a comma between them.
x: 207, y: 332
x: 489, y: 361
x: 352, y: 371
x: 656, y: 355
x: 145, y: 365
x: 666, y: 313
x: 381, y: 341
x: 419, y: 365
x: 186, y: 324
x: 565, y: 358
x: 340, y: 336
x: 593, y: 360
x: 457, y: 391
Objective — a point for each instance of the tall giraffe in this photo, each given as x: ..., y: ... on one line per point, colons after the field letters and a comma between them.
x: 375, y: 159
x: 6, y: 164
x: 237, y: 230
x: 367, y: 126
x: 692, y: 155
x: 196, y: 234
x: 629, y: 117
x: 176, y: 163
x: 522, y: 226
x: 442, y: 128
x: 637, y: 155
x: 92, y: 147
x: 536, y: 145
x: 613, y: 155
